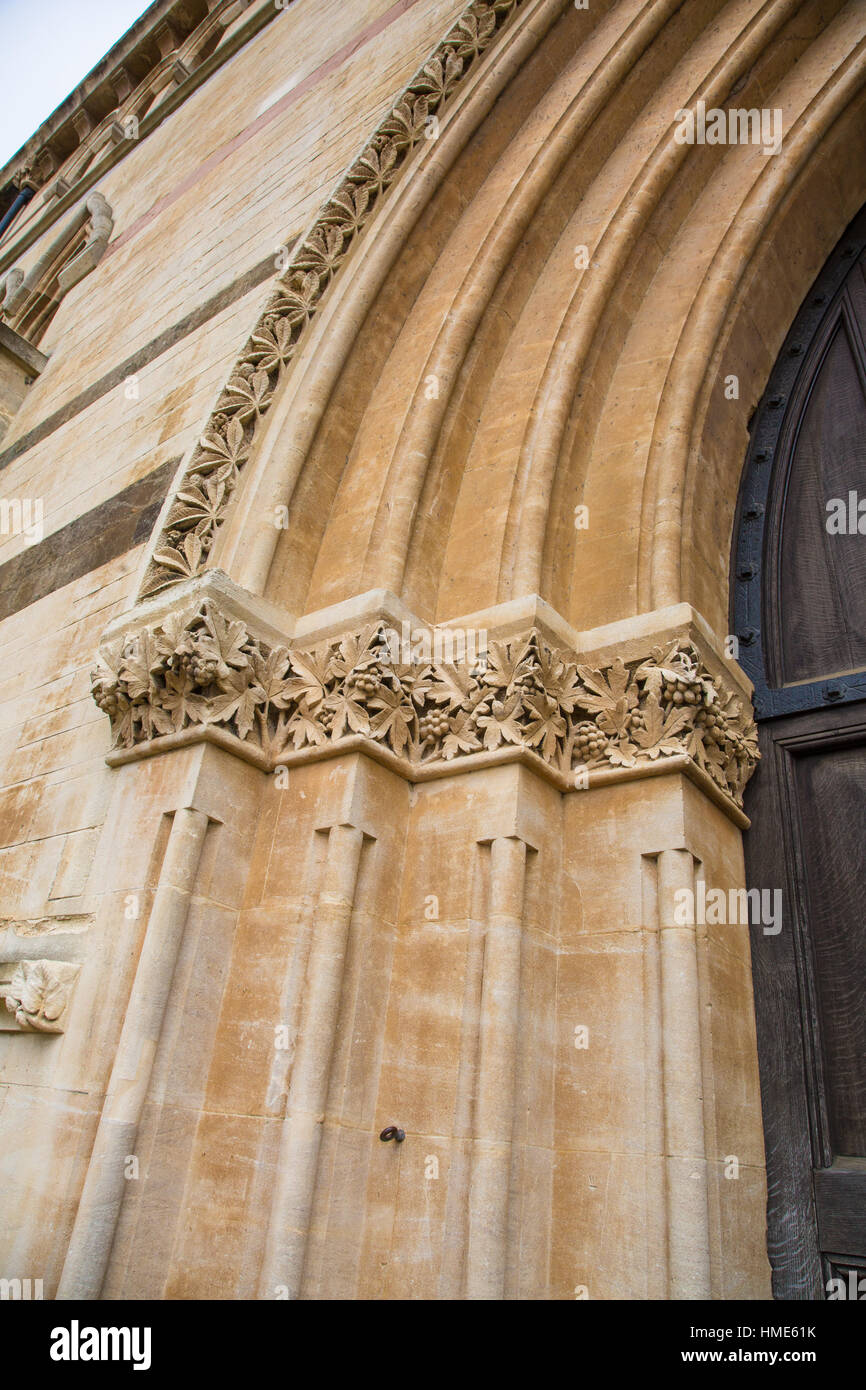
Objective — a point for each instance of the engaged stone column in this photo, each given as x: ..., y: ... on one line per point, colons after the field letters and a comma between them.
x: 289, y: 1224
x: 99, y: 1208
x: 685, y: 1145
x: 497, y: 1070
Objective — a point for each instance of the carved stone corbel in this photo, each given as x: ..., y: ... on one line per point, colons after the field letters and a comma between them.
x: 20, y: 290
x: 101, y: 226
x: 38, y: 994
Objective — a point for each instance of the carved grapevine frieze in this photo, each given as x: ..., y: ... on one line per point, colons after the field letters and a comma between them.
x: 202, y: 668
x: 199, y: 507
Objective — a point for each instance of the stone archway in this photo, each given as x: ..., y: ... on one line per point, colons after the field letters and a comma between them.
x: 473, y: 894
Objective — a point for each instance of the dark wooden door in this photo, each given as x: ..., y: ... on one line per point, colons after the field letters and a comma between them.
x: 799, y: 611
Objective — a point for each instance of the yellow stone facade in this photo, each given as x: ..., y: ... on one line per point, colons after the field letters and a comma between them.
x: 301, y: 890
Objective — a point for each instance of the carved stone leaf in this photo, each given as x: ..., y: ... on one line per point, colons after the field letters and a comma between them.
x: 111, y: 658
x: 222, y: 642
x: 36, y: 990
x: 310, y: 684
x: 658, y: 734
x: 37, y: 995
x: 654, y: 672
x: 604, y: 689
x: 707, y: 755
x: 413, y: 682
x: 240, y: 699
x: 184, y: 559
x: 304, y: 730
x: 375, y: 168
x: 249, y: 396
x: 462, y: 737
x: 143, y: 658
x: 357, y: 652
x: 455, y: 686
x: 348, y: 715
x: 271, y: 346
x: 348, y: 208
x: 323, y: 250
x: 153, y: 719
x: 123, y: 725
x: 558, y: 680
x: 395, y: 720
x: 440, y: 75
x: 623, y: 754
x: 504, y: 663
x: 218, y: 449
x: 182, y: 701
x: 474, y: 31
x: 545, y: 727
x: 408, y: 121
x: 270, y: 673
x: 500, y: 723
x: 614, y: 720
x: 173, y: 636
x: 202, y: 503
x: 298, y: 300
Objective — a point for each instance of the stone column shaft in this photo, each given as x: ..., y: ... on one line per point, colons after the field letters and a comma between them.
x: 92, y: 1235
x: 497, y: 1072
x: 685, y: 1146
x: 291, y: 1211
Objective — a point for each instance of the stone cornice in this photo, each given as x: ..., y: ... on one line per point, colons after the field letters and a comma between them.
x: 199, y: 507
x: 169, y: 31
x: 428, y: 701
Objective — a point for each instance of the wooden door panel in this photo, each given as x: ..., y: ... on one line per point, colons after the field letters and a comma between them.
x: 809, y: 987
x: 840, y: 1202
x: 834, y: 844
x: 822, y: 574
x: 799, y: 608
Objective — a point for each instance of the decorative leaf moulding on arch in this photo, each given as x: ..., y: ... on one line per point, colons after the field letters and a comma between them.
x: 201, y: 673
x: 200, y: 504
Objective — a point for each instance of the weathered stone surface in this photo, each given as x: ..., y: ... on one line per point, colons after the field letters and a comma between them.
x: 307, y: 889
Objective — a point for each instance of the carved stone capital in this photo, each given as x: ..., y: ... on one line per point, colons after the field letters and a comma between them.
x: 428, y: 700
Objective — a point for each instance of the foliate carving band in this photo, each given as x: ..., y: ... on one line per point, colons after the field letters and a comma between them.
x: 201, y: 668
x: 200, y: 505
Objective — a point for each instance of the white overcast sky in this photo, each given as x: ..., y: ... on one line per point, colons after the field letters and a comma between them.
x: 46, y: 48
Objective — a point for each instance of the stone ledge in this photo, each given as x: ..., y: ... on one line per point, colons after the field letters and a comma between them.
x: 22, y: 353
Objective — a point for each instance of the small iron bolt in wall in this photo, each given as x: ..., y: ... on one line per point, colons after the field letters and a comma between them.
x: 392, y: 1132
